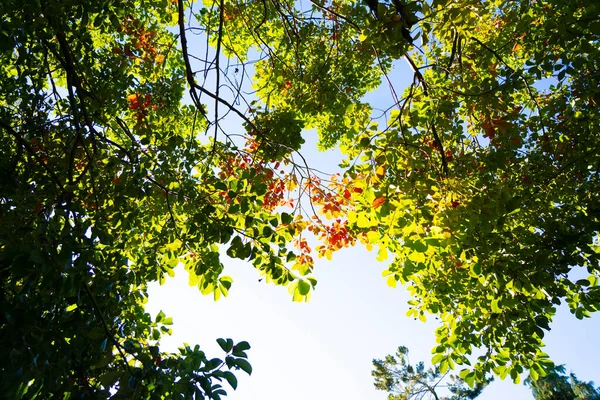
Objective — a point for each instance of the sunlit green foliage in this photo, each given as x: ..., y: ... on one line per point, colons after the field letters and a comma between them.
x: 119, y: 162
x: 490, y: 205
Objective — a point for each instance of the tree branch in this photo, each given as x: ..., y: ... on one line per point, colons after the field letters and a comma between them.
x: 188, y: 68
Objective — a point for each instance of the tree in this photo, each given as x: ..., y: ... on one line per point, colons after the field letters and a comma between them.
x: 104, y: 189
x: 121, y: 158
x: 557, y: 386
x: 404, y: 381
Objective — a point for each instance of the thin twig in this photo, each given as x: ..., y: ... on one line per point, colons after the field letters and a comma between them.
x: 323, y: 8
x: 419, y: 77
x: 218, y: 71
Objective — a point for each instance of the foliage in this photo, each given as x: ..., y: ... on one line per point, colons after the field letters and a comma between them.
x: 103, y: 189
x: 402, y: 380
x: 558, y: 386
x: 479, y: 182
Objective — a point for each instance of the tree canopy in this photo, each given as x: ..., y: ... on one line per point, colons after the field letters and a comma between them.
x: 558, y: 386
x: 136, y: 136
x: 403, y: 381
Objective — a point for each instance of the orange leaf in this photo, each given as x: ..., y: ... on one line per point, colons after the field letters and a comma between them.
x: 378, y: 202
x: 489, y: 129
x: 502, y: 125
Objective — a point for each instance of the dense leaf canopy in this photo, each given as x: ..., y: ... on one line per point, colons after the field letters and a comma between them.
x: 136, y: 136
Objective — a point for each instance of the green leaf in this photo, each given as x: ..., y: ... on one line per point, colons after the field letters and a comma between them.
x: 444, y: 366
x: 160, y: 316
x: 303, y: 287
x: 220, y: 186
x: 437, y: 358
x: 417, y: 246
x: 231, y: 379
x: 286, y: 218
x: 242, y: 346
x: 514, y: 374
x: 235, y: 248
x: 475, y: 269
x: 243, y: 365
x: 464, y: 372
x: 542, y: 321
x: 470, y: 379
x: 495, y: 306
x: 226, y: 281
x: 501, y: 371
x: 533, y: 374
x: 225, y: 344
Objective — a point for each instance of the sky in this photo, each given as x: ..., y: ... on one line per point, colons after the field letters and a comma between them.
x: 324, y: 349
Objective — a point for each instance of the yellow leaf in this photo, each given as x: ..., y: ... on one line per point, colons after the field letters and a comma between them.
x: 193, y: 279
x: 373, y: 236
x: 352, y: 217
x: 174, y: 245
x: 416, y: 257
x: 382, y: 254
x: 364, y: 221
x: 391, y: 281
